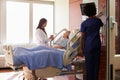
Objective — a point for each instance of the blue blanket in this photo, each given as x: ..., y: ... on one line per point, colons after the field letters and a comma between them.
x: 38, y: 57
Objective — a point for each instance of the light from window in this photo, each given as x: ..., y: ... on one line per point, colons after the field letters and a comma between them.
x: 43, y: 11
x: 17, y: 22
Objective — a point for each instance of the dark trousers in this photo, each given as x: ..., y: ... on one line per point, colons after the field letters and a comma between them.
x: 92, y: 58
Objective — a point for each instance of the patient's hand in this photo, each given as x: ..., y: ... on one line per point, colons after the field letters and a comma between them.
x: 58, y: 46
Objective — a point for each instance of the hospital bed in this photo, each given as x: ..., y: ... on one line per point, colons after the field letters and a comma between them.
x: 69, y: 54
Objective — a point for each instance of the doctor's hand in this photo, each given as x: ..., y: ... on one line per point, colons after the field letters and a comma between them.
x: 51, y: 37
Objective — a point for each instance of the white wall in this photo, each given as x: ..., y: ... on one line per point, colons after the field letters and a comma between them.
x: 2, y: 24
x: 61, y: 14
x: 2, y: 21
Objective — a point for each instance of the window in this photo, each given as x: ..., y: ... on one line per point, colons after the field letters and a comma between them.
x: 18, y: 18
x: 17, y: 30
x: 43, y: 11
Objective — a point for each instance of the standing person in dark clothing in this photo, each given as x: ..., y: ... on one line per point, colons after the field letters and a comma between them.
x: 90, y: 41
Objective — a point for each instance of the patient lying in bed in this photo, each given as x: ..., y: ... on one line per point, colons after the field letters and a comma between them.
x: 41, y: 56
x: 62, y: 41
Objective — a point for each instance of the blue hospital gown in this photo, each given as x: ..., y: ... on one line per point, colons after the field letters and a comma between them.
x: 62, y: 42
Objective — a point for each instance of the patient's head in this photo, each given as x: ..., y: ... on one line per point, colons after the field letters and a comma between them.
x: 66, y: 34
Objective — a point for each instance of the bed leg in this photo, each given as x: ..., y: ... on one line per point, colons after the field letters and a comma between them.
x: 29, y: 74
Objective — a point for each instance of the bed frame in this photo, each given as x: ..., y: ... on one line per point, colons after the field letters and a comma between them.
x: 68, y: 57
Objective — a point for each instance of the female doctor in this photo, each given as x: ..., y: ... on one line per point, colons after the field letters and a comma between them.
x: 41, y: 35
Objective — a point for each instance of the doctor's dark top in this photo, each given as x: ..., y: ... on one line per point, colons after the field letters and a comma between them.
x: 91, y: 28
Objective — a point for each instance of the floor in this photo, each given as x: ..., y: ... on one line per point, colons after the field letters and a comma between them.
x: 7, y: 70
x: 9, y: 74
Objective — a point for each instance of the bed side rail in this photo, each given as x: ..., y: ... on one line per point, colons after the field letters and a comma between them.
x: 57, y: 35
x: 72, y: 49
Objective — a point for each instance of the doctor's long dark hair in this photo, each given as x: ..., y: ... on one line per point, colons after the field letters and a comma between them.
x: 41, y: 22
